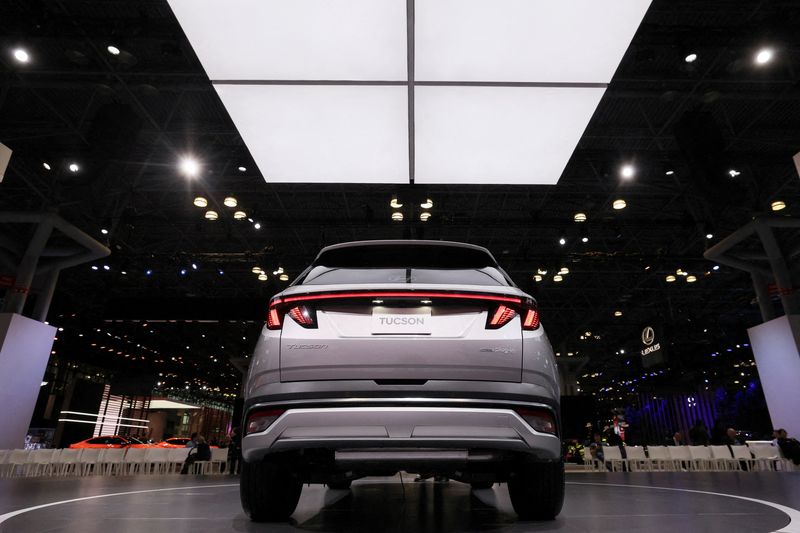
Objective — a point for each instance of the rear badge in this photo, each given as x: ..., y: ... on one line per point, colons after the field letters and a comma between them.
x: 306, y: 346
x: 497, y: 350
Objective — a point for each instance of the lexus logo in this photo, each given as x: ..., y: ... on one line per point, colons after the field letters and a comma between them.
x: 648, y: 336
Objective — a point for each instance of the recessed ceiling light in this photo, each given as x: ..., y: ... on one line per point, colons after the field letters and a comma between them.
x: 764, y: 56
x: 211, y: 215
x: 580, y: 217
x: 104, y: 231
x: 200, y: 202
x: 627, y: 171
x: 733, y: 173
x: 397, y: 216
x: 257, y: 225
x: 242, y: 169
x: 239, y: 215
x: 619, y: 204
x: 190, y: 167
x: 777, y: 205
x: 427, y: 204
x: 262, y: 277
x: 670, y: 278
x: 230, y: 201
x: 21, y: 55
x: 113, y: 50
x: 690, y: 58
x: 46, y: 166
x: 73, y: 167
x: 562, y: 241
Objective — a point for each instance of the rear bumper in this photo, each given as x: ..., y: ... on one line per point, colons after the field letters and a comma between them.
x: 401, y: 427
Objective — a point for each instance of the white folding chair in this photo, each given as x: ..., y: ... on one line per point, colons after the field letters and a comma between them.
x: 219, y: 457
x: 722, y: 459
x: 134, y: 461
x: 155, y: 460
x: 38, y: 462
x: 701, y: 457
x: 681, y: 457
x: 15, y: 463
x: 613, y: 457
x: 660, y: 458
x: 67, y: 462
x: 767, y: 457
x: 112, y: 461
x: 176, y: 458
x: 742, y: 454
x: 90, y: 460
x: 636, y: 458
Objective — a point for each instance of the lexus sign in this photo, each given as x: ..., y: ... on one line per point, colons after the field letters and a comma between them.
x: 652, y: 350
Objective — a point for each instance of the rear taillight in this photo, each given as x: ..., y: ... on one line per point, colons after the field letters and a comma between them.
x: 258, y: 421
x: 501, y: 316
x: 274, y: 316
x: 304, y: 315
x: 541, y: 420
x: 531, y: 319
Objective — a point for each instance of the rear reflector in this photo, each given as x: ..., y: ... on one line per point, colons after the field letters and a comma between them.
x: 261, y: 420
x: 539, y: 419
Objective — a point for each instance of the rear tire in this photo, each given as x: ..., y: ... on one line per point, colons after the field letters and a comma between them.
x: 537, y: 490
x: 340, y: 485
x: 268, y: 491
x: 480, y: 485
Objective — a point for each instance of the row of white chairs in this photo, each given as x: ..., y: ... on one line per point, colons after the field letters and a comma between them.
x: 753, y: 457
x: 105, y: 462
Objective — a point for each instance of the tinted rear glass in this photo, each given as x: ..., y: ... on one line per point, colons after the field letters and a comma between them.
x: 405, y: 264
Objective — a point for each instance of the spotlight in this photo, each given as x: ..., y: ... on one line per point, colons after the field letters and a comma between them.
x: 690, y: 58
x: 764, y: 56
x: 183, y: 272
x: 257, y: 225
x: 113, y: 50
x: 733, y: 173
x: 709, y: 236
x: 94, y: 267
x: 46, y: 166
x: 104, y: 231
x: 194, y: 266
x: 242, y: 169
x: 715, y: 267
x: 627, y: 171
x: 21, y: 55
x: 617, y: 313
x: 584, y: 239
x: 220, y: 272
x: 190, y: 167
x: 73, y: 167
x: 148, y: 272
x: 669, y: 172
x: 106, y: 267
x: 562, y: 241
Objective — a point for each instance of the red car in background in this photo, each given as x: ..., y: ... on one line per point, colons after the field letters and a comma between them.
x: 111, y: 441
x: 177, y: 442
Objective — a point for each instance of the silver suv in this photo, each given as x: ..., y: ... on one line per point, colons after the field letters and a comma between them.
x: 384, y: 356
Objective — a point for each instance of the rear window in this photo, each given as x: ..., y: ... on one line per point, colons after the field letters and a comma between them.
x: 404, y: 264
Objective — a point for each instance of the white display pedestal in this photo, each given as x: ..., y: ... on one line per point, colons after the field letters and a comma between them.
x: 775, y: 346
x: 25, y: 346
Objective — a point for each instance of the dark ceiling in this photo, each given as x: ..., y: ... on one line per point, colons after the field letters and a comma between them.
x: 127, y: 119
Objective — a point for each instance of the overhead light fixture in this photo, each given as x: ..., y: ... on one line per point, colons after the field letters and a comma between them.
x: 669, y: 172
x: 73, y: 167
x: 148, y: 272
x: 690, y: 58
x: 239, y: 215
x: 709, y: 236
x: 46, y: 166
x: 764, y: 56
x: 200, y: 202
x: 627, y: 171
x: 279, y: 270
x: 95, y: 267
x: 183, y: 272
x: 537, y: 278
x: 230, y: 201
x: 190, y: 167
x: 427, y: 204
x: 424, y: 216
x: 194, y: 266
x: 777, y: 205
x: 584, y: 239
x: 691, y: 279
x: 113, y: 50
x: 257, y: 225
x: 733, y: 173
x: 397, y: 216
x: 584, y: 233
x: 395, y: 204
x: 564, y: 271
x: 242, y: 169
x: 104, y: 231
x: 21, y: 55
x: 619, y: 204
x: 211, y: 215
x: 580, y: 217
x: 670, y: 278
x: 262, y: 277
x: 617, y: 313
x: 541, y: 271
x: 715, y: 267
x: 283, y: 277
x: 257, y: 270
x: 562, y: 241
x: 557, y: 278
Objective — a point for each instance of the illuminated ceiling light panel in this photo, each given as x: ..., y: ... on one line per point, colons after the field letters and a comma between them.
x: 312, y: 134
x: 568, y: 41
x: 513, y: 135
x: 297, y: 39
x: 399, y: 91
